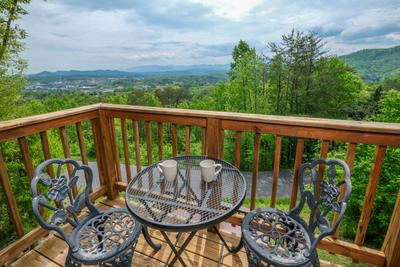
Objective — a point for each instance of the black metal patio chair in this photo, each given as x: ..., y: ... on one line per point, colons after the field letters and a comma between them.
x: 105, y: 238
x: 278, y: 238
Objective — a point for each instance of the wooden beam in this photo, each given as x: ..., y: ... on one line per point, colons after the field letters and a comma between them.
x: 275, y: 175
x: 137, y: 146
x: 319, y: 131
x: 187, y: 140
x: 256, y: 161
x: 12, y: 204
x: 148, y: 143
x: 297, y: 164
x: 213, y: 138
x: 82, y: 149
x: 67, y: 155
x: 109, y: 166
x: 350, y: 157
x: 391, y: 244
x: 114, y: 144
x: 370, y: 196
x: 160, y: 138
x: 46, y: 151
x: 99, y: 149
x: 126, y: 150
x: 23, y: 146
x: 203, y: 141
x: 174, y: 131
x: 358, y: 126
x: 238, y: 144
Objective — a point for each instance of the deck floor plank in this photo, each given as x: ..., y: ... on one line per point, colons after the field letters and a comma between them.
x: 34, y: 259
x: 203, y: 250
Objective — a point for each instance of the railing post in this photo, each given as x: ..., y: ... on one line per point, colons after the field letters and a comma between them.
x: 214, y: 135
x: 391, y: 245
x: 107, y: 154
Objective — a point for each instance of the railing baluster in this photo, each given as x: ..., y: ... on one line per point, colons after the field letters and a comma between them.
x: 160, y: 136
x: 203, y: 141
x: 391, y: 244
x: 126, y: 150
x: 149, y: 151
x: 187, y: 140
x: 82, y: 148
x: 350, y: 157
x: 174, y: 140
x: 114, y: 144
x: 12, y: 204
x: 295, y: 179
x: 370, y: 195
x: 321, y: 167
x: 238, y: 143
x: 67, y: 155
x: 148, y: 143
x: 137, y: 146
x: 275, y: 175
x: 98, y: 149
x: 23, y: 146
x: 46, y: 151
x: 221, y: 149
x: 256, y: 160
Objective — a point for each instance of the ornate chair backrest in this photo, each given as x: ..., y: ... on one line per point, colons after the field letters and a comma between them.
x: 323, y: 195
x: 54, y: 203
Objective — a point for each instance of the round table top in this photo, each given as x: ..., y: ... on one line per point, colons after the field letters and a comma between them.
x: 188, y: 203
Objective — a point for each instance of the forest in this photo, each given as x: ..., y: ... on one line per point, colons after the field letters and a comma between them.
x: 299, y: 78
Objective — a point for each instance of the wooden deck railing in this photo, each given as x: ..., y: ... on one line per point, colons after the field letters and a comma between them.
x: 103, y: 119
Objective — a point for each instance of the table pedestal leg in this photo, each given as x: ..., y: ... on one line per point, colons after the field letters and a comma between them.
x: 149, y: 240
x: 181, y: 249
x: 233, y: 249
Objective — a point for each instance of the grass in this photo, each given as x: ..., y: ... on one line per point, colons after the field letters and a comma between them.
x: 283, y: 204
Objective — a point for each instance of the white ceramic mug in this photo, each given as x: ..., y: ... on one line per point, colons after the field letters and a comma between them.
x: 209, y: 169
x: 168, y: 168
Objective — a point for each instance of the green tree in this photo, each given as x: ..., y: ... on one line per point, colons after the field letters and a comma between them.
x: 12, y: 66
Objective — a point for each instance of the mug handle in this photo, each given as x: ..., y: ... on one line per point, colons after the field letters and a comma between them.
x: 159, y: 168
x: 219, y: 167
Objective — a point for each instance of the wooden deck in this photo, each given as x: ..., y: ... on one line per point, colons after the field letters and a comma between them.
x: 204, y: 249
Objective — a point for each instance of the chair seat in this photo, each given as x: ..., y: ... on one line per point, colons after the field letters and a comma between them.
x: 105, y: 236
x: 276, y: 237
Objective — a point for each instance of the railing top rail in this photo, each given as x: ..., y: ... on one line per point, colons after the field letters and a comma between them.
x: 361, y: 126
x: 357, y: 126
x: 35, y: 119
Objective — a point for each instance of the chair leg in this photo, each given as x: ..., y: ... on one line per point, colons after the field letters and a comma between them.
x: 314, y: 259
x: 252, y: 260
x: 124, y: 259
x: 69, y: 262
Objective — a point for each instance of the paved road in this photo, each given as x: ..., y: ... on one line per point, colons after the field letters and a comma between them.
x: 264, y: 182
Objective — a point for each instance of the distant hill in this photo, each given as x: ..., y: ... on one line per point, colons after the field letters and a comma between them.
x: 140, y: 71
x: 375, y: 64
x: 210, y: 68
x: 82, y: 73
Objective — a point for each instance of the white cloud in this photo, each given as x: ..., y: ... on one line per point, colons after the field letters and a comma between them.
x: 72, y: 34
x: 234, y: 10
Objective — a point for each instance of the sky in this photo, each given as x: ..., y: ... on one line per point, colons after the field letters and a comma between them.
x: 119, y: 34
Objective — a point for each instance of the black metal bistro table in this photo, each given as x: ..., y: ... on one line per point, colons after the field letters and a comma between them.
x: 187, y: 204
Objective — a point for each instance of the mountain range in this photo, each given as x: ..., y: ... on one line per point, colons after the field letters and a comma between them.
x: 141, y: 71
x: 373, y: 65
